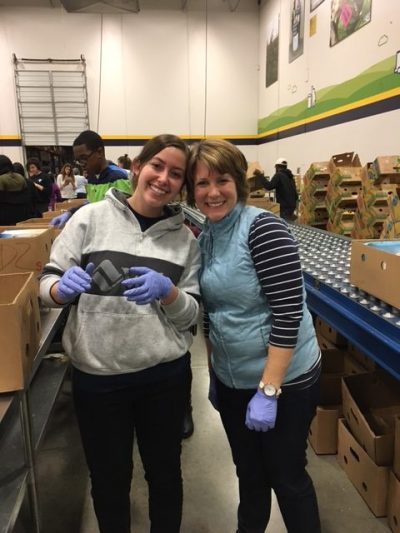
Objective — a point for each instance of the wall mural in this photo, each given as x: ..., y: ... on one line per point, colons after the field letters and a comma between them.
x: 348, y: 16
x: 296, y: 42
x: 272, y: 59
x: 379, y: 84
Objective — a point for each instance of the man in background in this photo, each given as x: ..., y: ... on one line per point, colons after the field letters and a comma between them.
x: 283, y: 183
x: 42, y: 183
x: 89, y: 152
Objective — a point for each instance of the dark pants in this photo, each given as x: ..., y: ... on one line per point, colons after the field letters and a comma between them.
x: 272, y: 460
x: 287, y: 213
x: 107, y: 421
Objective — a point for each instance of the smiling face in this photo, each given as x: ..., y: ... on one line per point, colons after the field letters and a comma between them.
x: 159, y: 181
x: 215, y: 194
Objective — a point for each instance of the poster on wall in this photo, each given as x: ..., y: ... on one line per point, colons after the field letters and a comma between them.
x: 348, y: 16
x: 272, y: 59
x: 296, y: 29
x: 315, y: 3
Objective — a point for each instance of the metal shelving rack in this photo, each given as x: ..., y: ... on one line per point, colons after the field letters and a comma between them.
x: 23, y: 418
x: 371, y: 325
x: 52, y: 100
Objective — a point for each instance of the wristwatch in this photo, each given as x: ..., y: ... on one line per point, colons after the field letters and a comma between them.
x: 269, y: 390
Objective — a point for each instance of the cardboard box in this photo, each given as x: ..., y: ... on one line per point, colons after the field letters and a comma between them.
x: 396, y: 456
x: 324, y: 343
x: 19, y: 329
x: 323, y: 432
x: 332, y: 370
x: 329, y: 333
x: 364, y: 360
x: 24, y: 249
x: 352, y: 366
x: 69, y: 204
x: 26, y: 225
x: 371, y: 402
x: 375, y: 268
x: 266, y: 204
x: 42, y: 221
x: 393, y: 503
x: 370, y: 480
x: 48, y: 215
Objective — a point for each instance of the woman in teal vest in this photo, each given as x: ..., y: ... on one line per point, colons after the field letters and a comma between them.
x: 263, y: 353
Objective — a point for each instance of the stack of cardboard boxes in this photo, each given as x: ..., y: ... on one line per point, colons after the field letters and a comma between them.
x: 391, y: 226
x: 343, y: 197
x: 24, y: 250
x: 313, y: 210
x: 338, y: 359
x: 359, y: 419
x: 343, y: 189
x: 376, y: 215
x: 371, y: 402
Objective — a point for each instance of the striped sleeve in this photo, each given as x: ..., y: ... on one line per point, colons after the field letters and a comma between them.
x: 277, y: 264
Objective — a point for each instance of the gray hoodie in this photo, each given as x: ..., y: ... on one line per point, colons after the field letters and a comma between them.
x: 105, y: 334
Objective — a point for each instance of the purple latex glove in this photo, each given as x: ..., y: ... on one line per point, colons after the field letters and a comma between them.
x: 212, y: 391
x: 147, y: 286
x: 74, y: 281
x: 61, y: 220
x: 261, y: 412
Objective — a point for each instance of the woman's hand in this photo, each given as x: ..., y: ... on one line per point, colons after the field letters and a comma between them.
x: 147, y: 286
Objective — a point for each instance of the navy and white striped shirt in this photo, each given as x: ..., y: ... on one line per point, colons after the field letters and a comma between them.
x: 277, y: 264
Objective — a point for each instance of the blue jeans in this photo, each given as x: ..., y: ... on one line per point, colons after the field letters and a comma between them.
x: 272, y: 460
x: 107, y: 422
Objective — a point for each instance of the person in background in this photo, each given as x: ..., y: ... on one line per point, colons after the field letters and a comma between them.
x: 66, y: 182
x: 137, y: 283
x: 80, y: 182
x: 55, y: 195
x: 43, y: 185
x: 15, y: 196
x: 125, y: 162
x: 88, y: 150
x: 286, y: 194
x: 263, y: 353
x: 20, y: 169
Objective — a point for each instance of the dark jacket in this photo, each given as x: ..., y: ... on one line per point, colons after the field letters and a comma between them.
x: 43, y: 197
x: 15, y: 199
x: 283, y: 182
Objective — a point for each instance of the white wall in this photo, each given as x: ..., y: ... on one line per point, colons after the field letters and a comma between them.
x: 161, y: 71
x: 322, y: 66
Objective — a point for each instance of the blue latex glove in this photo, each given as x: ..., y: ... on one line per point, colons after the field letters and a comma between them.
x: 74, y: 281
x: 212, y: 391
x: 261, y: 412
x: 60, y: 221
x: 147, y: 286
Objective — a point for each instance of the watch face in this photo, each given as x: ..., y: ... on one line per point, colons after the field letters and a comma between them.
x: 269, y: 390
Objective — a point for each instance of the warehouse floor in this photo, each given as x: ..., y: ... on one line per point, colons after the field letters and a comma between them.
x: 210, y: 488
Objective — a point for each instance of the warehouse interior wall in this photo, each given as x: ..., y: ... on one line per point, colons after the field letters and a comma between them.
x: 187, y: 72
x: 199, y: 71
x: 322, y: 66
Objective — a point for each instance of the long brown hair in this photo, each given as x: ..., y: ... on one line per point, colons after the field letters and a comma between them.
x: 70, y: 175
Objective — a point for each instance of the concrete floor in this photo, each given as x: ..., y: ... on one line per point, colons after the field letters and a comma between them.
x: 210, y: 487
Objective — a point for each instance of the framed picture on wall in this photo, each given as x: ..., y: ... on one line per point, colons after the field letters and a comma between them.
x: 348, y: 17
x: 272, y: 59
x: 296, y: 38
x: 315, y: 3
